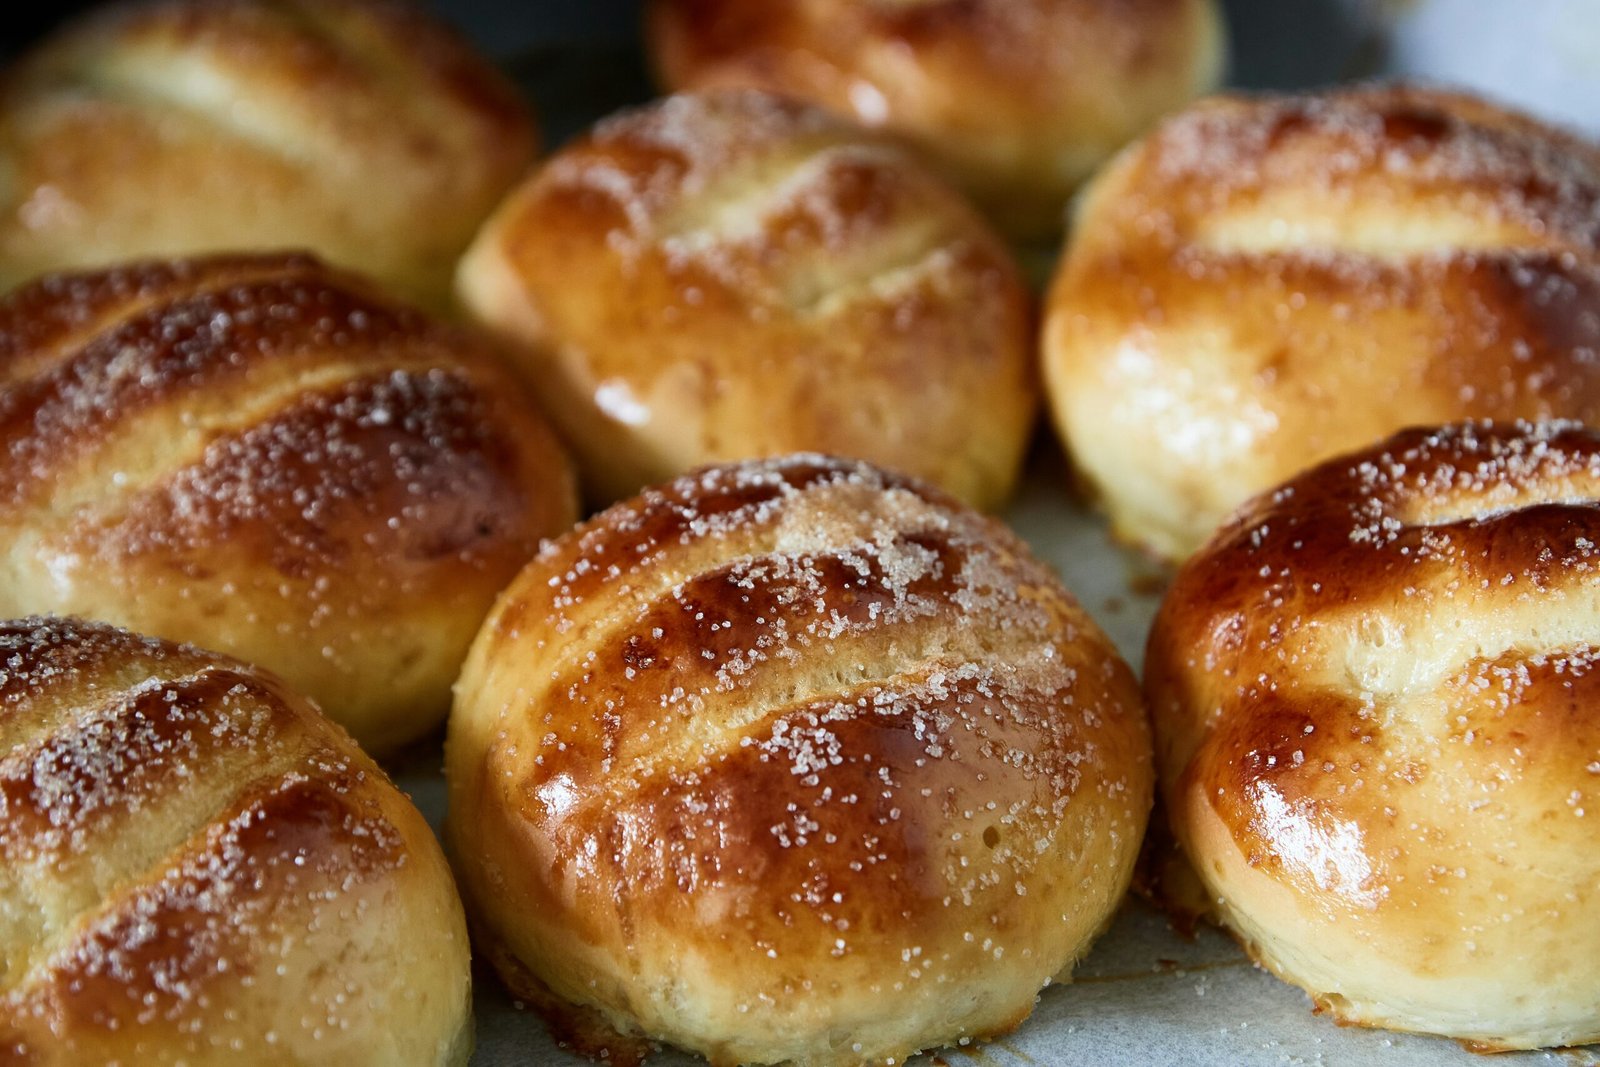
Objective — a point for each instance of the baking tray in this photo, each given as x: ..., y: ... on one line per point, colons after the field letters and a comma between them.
x: 1144, y: 994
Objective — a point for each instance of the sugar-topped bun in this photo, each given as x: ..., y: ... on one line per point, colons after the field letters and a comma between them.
x: 200, y: 869
x: 1264, y: 283
x: 258, y: 454
x: 1016, y: 100
x: 792, y: 761
x: 361, y: 129
x: 716, y: 277
x: 1377, y: 704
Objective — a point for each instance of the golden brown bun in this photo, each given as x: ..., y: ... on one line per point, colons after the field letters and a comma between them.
x: 1016, y: 101
x: 360, y: 129
x: 794, y: 761
x: 725, y: 276
x: 1264, y: 283
x: 1375, y: 695
x: 200, y: 869
x: 259, y: 454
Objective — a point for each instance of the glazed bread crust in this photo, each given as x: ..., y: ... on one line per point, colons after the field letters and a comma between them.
x: 201, y: 869
x: 1375, y: 697
x: 1264, y: 283
x: 360, y: 129
x: 758, y: 279
x: 1016, y: 101
x: 260, y: 454
x: 792, y: 761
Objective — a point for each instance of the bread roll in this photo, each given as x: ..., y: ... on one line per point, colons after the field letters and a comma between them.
x: 200, y: 869
x: 259, y: 454
x: 792, y: 761
x: 725, y: 276
x: 1017, y: 101
x: 1375, y: 702
x: 1266, y: 282
x: 361, y: 129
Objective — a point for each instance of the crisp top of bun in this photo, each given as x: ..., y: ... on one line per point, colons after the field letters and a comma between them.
x: 996, y: 45
x: 171, y: 406
x: 775, y: 200
x: 105, y: 728
x: 300, y: 362
x: 765, y: 580
x: 1392, y: 170
x: 1454, y: 543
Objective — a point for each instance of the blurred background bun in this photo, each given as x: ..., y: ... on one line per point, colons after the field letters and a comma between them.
x: 200, y: 869
x: 726, y: 275
x: 1265, y: 282
x: 360, y: 129
x: 261, y: 454
x: 792, y: 761
x: 1016, y: 101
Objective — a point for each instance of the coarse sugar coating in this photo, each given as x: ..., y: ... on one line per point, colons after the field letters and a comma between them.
x: 792, y: 760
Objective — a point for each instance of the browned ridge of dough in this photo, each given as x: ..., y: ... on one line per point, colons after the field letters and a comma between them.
x: 1375, y: 698
x: 260, y: 453
x: 815, y: 734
